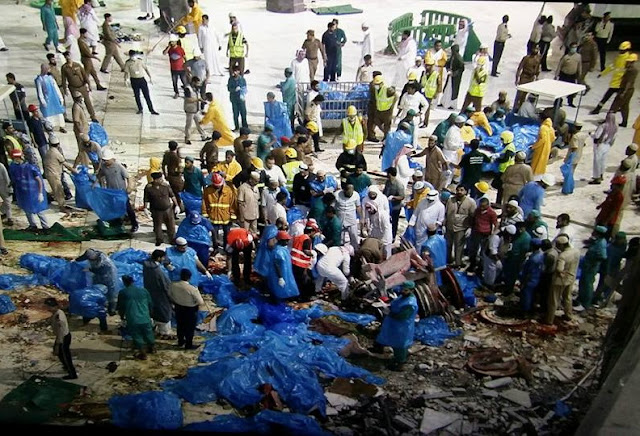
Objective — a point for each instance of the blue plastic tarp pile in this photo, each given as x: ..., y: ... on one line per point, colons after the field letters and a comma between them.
x: 152, y: 410
x: 434, y: 331
x: 260, y: 342
x: 89, y: 302
x: 468, y: 284
x: 6, y: 305
x: 336, y: 102
x: 12, y: 281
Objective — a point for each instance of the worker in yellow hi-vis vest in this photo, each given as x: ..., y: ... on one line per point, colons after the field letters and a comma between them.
x: 237, y: 50
x: 617, y: 68
x: 352, y: 128
x: 385, y: 99
x: 431, y: 83
x: 478, y: 85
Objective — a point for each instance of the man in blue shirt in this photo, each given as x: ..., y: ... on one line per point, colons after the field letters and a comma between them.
x: 331, y: 47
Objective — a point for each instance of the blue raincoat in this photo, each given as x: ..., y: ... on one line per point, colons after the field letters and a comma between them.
x: 180, y: 261
x: 276, y: 114
x: 282, y: 260
x: 530, y: 197
x: 198, y: 233
x: 393, y: 143
x: 531, y: 273
x: 262, y: 264
x: 398, y: 333
x: 25, y: 185
x: 436, y: 245
x: 567, y: 172
x: 105, y: 273
x: 46, y: 90
x: 315, y: 185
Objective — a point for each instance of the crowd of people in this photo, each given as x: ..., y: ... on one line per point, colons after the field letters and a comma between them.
x: 274, y: 211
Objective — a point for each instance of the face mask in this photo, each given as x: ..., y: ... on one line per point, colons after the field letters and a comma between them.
x: 377, y: 87
x: 573, y: 50
x: 351, y: 151
x: 430, y: 200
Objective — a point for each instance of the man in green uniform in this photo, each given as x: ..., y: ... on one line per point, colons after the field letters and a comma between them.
x: 595, y: 255
x: 515, y: 257
x: 360, y: 180
x: 134, y: 306
x: 342, y: 39
x: 331, y: 228
x: 288, y: 88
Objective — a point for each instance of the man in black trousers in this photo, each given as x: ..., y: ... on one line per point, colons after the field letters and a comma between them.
x: 186, y: 299
x: 62, y: 344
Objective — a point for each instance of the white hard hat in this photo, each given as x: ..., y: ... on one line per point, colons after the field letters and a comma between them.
x: 181, y: 241
x: 173, y: 38
x: 460, y: 119
x: 510, y: 229
x: 322, y: 249
x: 107, y: 154
x: 548, y: 179
x: 513, y: 203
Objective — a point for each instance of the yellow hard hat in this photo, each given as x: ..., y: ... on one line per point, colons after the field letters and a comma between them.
x: 351, y: 110
x: 181, y: 29
x: 377, y: 80
x: 507, y: 136
x: 312, y: 126
x: 291, y: 152
x: 428, y: 59
x: 626, y: 45
x: 482, y: 187
x: 257, y: 162
x: 412, y: 76
x: 482, y: 60
x: 350, y: 145
x: 632, y: 57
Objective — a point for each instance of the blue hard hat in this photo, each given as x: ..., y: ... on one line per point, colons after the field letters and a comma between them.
x: 195, y: 217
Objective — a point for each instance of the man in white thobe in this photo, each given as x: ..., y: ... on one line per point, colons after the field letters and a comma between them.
x: 210, y: 45
x: 430, y: 211
x: 300, y: 66
x: 333, y: 265
x: 452, y: 143
x: 407, y: 52
x: 366, y: 44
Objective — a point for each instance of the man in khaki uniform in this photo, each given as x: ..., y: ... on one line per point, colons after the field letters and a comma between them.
x: 589, y: 53
x: 570, y: 69
x: 562, y: 280
x: 248, y: 203
x: 83, y: 158
x: 435, y: 164
x: 312, y: 45
x: 528, y: 71
x: 80, y: 123
x: 515, y: 177
x: 459, y: 217
x: 53, y: 165
x: 159, y: 196
x: 74, y: 78
x: 111, y: 45
x: 86, y: 57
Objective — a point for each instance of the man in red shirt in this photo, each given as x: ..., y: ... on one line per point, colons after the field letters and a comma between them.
x: 610, y: 214
x: 485, y: 221
x: 239, y: 240
x: 176, y: 62
x: 302, y: 258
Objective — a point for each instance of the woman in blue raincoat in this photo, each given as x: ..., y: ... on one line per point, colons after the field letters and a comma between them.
x: 263, y: 262
x: 399, y: 326
x: 567, y: 169
x: 281, y: 282
x: 197, y: 232
x: 104, y: 273
x: 29, y: 189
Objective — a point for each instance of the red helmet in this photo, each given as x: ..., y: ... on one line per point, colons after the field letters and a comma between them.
x: 217, y: 180
x: 283, y: 236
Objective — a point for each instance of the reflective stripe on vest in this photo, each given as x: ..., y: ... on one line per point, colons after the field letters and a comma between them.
x: 236, y: 48
x: 477, y: 89
x: 431, y: 85
x: 290, y: 170
x: 383, y: 102
x: 504, y: 165
x: 352, y: 131
x: 298, y: 257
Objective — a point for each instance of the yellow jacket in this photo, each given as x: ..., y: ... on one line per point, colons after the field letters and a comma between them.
x: 219, y: 206
x: 194, y: 16
x: 542, y: 148
x: 636, y: 134
x: 230, y: 170
x: 481, y: 120
x: 69, y: 8
x: 467, y: 133
x: 215, y: 116
x: 155, y: 166
x: 417, y: 198
x: 618, y: 68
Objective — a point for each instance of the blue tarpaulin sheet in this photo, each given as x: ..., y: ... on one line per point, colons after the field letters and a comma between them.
x: 434, y: 331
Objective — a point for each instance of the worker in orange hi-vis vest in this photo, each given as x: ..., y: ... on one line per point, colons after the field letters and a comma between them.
x: 239, y: 240
x: 302, y: 258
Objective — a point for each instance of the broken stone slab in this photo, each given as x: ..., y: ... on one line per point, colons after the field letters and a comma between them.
x: 490, y: 393
x: 474, y: 339
x: 433, y: 420
x: 517, y: 396
x: 403, y: 423
x: 460, y: 427
x: 339, y: 402
x: 498, y: 383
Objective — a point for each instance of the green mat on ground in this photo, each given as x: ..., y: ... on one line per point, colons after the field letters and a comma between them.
x: 59, y: 233
x: 37, y: 400
x: 337, y: 10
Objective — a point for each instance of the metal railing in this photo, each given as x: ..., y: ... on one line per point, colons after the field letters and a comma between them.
x: 337, y: 97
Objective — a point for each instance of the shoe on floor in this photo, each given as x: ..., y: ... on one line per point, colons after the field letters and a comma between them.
x: 152, y: 350
x: 155, y: 113
x: 138, y: 113
x: 373, y: 140
x: 134, y: 228
x: 579, y: 308
x: 186, y: 141
x: 141, y: 356
x: 4, y: 251
x: 175, y: 95
x: 101, y: 88
x: 69, y: 377
x: 595, y: 182
x: 104, y: 71
x: 95, y: 120
x: 192, y: 347
x: 63, y: 130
